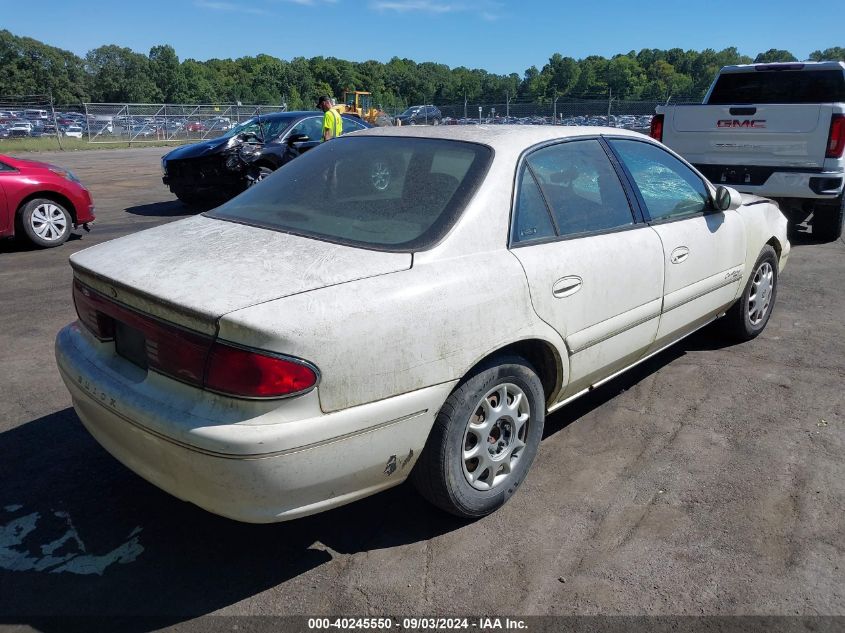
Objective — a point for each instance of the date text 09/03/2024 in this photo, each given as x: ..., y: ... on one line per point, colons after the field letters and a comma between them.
x: 417, y: 623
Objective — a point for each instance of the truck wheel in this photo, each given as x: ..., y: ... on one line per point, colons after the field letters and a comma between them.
x: 828, y: 218
x: 750, y: 314
x: 45, y: 222
x: 483, y: 440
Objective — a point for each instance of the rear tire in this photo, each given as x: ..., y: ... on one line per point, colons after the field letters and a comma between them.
x: 46, y: 223
x: 484, y: 439
x: 750, y: 314
x: 828, y: 218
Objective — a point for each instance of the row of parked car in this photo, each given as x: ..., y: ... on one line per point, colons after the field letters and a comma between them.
x: 35, y: 123
x: 431, y: 115
x: 628, y: 122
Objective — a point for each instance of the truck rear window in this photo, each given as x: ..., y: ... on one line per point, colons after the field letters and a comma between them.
x: 783, y: 86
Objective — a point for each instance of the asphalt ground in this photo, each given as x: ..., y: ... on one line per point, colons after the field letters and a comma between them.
x: 709, y: 480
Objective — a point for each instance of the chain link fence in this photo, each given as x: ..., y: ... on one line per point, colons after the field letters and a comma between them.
x: 634, y: 115
x: 151, y: 122
x: 35, y: 115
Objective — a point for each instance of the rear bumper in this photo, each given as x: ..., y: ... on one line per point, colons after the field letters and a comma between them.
x: 282, y: 464
x: 815, y: 185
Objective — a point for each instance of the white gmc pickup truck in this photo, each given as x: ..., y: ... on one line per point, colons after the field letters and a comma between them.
x: 775, y: 130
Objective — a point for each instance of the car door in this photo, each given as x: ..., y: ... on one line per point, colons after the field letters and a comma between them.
x: 703, y: 248
x: 594, y: 269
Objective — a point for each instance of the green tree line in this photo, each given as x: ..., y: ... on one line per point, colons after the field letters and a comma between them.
x: 117, y: 74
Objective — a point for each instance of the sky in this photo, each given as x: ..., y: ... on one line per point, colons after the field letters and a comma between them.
x: 500, y: 36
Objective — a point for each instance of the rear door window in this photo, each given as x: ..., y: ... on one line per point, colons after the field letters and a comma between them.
x: 352, y: 125
x: 581, y: 187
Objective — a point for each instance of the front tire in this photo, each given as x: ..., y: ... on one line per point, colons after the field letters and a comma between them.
x: 484, y: 439
x: 46, y: 223
x: 828, y: 219
x: 260, y: 174
x: 750, y: 314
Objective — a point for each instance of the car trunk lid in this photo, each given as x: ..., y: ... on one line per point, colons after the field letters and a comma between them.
x: 194, y: 271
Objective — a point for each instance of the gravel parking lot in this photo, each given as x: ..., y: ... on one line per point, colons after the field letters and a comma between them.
x: 709, y: 480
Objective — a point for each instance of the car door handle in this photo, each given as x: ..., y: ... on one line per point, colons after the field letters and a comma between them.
x: 567, y: 286
x: 679, y: 255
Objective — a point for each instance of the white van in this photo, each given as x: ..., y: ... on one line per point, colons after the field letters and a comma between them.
x: 35, y: 115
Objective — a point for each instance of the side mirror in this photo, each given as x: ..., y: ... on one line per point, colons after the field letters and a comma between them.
x: 297, y: 138
x: 727, y: 198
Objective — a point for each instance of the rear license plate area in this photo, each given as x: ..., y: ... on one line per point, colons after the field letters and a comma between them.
x: 130, y: 344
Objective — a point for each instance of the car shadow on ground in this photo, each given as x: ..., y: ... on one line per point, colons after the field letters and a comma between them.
x: 16, y: 245
x: 82, y: 536
x: 166, y: 209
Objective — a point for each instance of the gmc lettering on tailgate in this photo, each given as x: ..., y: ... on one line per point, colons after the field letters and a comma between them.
x: 755, y: 123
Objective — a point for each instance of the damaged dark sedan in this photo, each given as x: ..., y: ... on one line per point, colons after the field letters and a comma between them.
x: 217, y: 169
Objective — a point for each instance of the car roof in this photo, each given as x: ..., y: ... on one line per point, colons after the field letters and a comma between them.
x: 504, y: 138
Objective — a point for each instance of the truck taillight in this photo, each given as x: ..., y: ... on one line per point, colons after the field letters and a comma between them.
x: 656, y: 131
x: 192, y: 357
x: 836, y: 138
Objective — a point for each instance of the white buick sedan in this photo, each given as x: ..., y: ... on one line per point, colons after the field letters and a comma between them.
x: 403, y: 302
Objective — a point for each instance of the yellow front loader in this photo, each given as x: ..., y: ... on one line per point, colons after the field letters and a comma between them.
x: 360, y: 103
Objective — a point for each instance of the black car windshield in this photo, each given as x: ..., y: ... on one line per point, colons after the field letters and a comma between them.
x: 411, y: 111
x: 385, y: 193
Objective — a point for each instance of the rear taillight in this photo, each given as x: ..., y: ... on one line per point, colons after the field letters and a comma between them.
x: 90, y: 307
x: 170, y: 349
x: 836, y: 138
x: 656, y: 131
x: 194, y: 358
x: 247, y: 373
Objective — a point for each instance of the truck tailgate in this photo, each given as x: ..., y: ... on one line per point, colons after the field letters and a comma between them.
x: 784, y: 135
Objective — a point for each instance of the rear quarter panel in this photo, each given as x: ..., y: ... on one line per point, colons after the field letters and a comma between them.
x: 388, y: 335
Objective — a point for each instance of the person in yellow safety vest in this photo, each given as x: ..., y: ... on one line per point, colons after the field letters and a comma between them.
x: 332, y: 121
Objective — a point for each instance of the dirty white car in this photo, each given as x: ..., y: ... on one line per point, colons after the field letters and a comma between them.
x: 403, y: 302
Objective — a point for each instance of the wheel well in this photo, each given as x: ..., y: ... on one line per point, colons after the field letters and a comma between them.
x: 47, y: 195
x: 775, y: 244
x: 542, y: 356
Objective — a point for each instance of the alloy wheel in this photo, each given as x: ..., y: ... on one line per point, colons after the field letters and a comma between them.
x: 495, y: 436
x: 760, y: 297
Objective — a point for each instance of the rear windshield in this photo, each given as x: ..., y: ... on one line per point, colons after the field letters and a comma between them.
x: 385, y: 193
x: 783, y: 86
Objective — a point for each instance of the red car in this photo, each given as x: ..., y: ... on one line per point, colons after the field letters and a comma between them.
x: 42, y: 201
